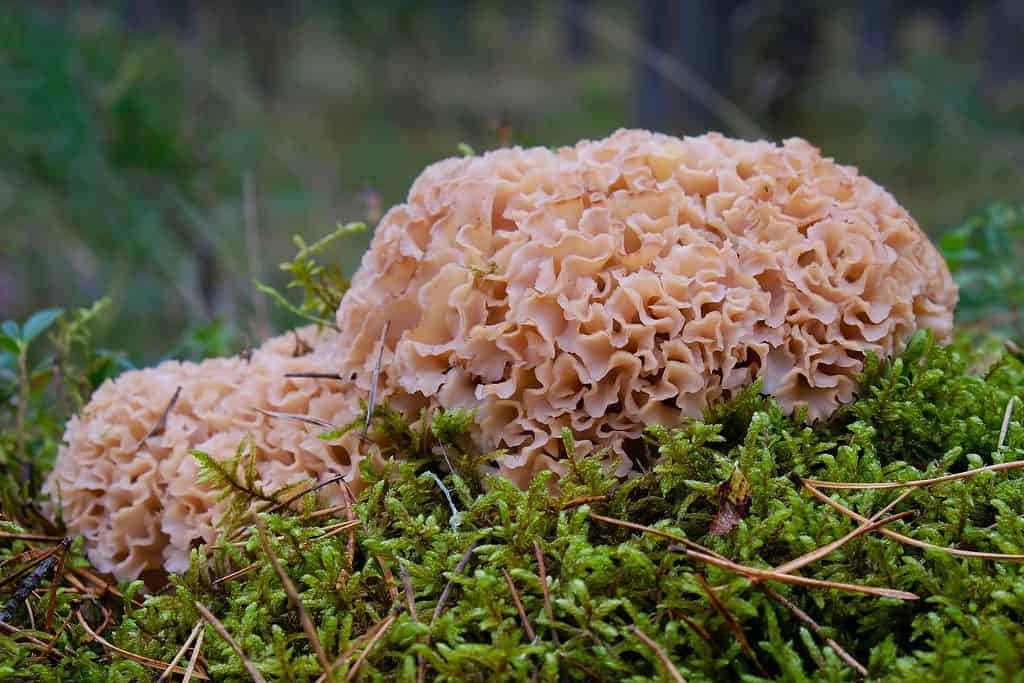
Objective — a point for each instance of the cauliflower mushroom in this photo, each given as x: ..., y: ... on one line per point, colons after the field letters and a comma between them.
x: 136, y: 499
x: 631, y: 280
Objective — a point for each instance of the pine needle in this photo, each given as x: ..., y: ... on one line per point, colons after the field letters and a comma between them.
x: 907, y: 540
x: 181, y: 652
x: 254, y: 673
x: 293, y: 597
x: 670, y: 668
x: 523, y: 619
x: 145, y: 661
x: 731, y: 622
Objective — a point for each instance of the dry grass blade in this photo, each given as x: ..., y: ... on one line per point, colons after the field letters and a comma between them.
x: 375, y: 378
x: 1007, y: 414
x: 181, y: 652
x: 819, y: 553
x: 917, y: 483
x: 657, y: 532
x: 194, y: 658
x: 161, y: 423
x: 293, y: 597
x: 542, y: 570
x: 814, y: 626
x: 907, y: 540
x: 523, y: 619
x: 447, y: 591
x: 213, y: 621
x: 731, y: 621
x: 670, y: 669
x: 758, y: 575
x: 145, y: 661
x: 315, y: 421
x: 369, y: 646
x: 337, y: 529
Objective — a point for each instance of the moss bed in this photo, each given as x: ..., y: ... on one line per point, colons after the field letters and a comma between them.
x: 411, y: 589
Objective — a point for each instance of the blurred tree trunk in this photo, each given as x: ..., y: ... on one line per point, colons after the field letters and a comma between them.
x: 696, y: 33
x: 577, y: 40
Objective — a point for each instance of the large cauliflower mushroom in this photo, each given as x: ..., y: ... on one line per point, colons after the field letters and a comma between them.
x: 632, y: 280
x: 136, y: 498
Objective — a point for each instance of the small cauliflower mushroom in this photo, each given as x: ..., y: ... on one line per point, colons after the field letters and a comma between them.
x: 632, y: 280
x: 136, y: 499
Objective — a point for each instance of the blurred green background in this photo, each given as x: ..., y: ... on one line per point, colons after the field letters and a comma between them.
x: 164, y: 153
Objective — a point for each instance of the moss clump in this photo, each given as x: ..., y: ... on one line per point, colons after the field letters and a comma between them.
x: 374, y: 592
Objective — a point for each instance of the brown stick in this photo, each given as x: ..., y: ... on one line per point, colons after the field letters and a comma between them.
x: 213, y: 621
x: 195, y: 657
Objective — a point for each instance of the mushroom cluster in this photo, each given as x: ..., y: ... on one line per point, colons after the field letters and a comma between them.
x: 599, y: 288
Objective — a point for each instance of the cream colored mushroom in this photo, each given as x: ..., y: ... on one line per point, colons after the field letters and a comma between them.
x: 632, y: 280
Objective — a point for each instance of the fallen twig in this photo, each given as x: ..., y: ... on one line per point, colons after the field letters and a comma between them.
x: 33, y: 579
x: 194, y: 658
x: 818, y: 553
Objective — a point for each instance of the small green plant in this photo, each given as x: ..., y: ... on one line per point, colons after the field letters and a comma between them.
x: 322, y: 285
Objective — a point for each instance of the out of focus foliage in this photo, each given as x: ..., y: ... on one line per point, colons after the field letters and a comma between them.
x: 986, y: 255
x: 127, y: 148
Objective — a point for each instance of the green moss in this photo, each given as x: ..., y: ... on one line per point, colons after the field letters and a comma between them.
x: 922, y: 414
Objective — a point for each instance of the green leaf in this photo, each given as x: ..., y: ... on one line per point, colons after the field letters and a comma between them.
x: 10, y: 344
x: 39, y: 322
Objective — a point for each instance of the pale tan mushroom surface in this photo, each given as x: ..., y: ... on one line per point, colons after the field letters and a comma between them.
x: 600, y: 288
x: 632, y: 280
x: 137, y: 501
